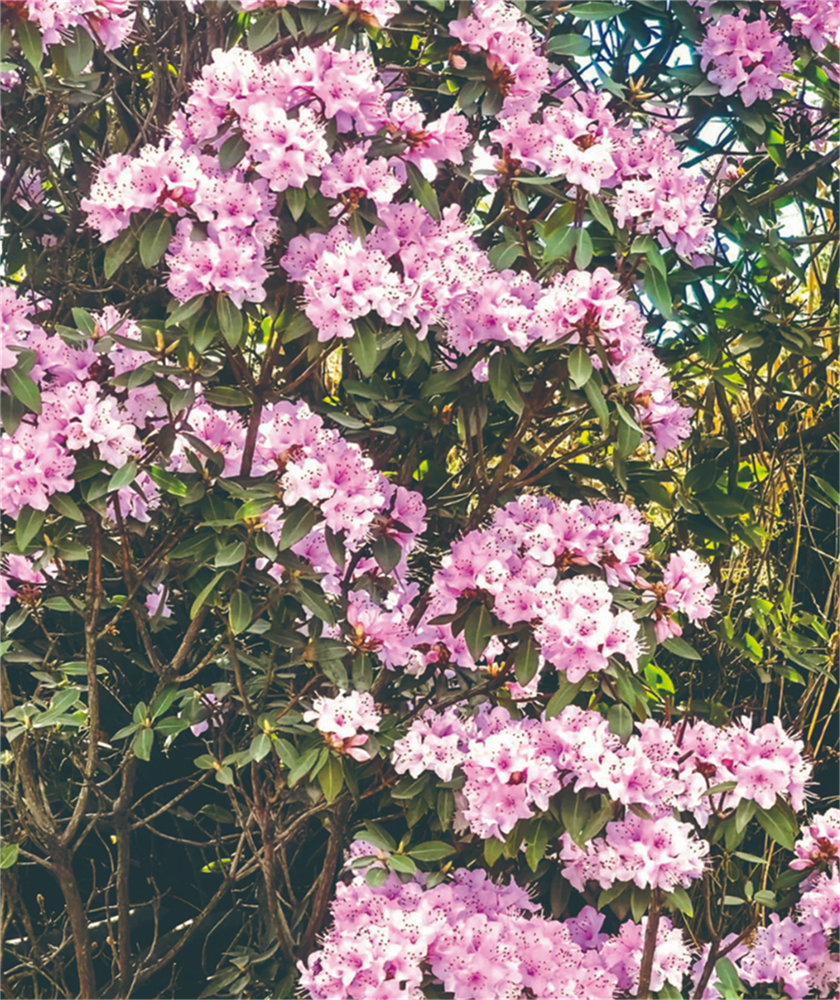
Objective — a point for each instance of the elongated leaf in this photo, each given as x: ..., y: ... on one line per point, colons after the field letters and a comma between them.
x: 241, y: 612
x: 27, y: 526
x: 8, y: 855
x: 621, y: 722
x: 432, y: 850
x: 780, y: 823
x: 679, y: 647
x: 477, y: 631
x: 527, y: 660
x: 568, y: 45
x: 296, y: 202
x: 580, y: 367
x: 23, y: 389
x: 331, y: 779
x: 230, y: 320
x: 231, y: 152
x: 199, y: 602
x: 300, y: 520
x: 124, y: 476
x: 118, y: 251
x: 596, y: 11
x: 597, y: 402
x: 729, y: 985
x: 162, y: 702
x: 678, y: 899
x: 29, y: 39
x: 423, y: 191
x: 154, y: 240
x: 575, y: 814
x: 563, y: 696
x: 364, y: 348
x: 143, y: 742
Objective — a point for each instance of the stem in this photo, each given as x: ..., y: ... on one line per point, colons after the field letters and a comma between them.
x: 325, y: 880
x: 78, y: 923
x: 646, y: 967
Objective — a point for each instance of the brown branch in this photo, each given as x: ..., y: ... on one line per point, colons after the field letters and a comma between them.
x: 321, y: 900
x: 794, y: 182
x: 646, y: 967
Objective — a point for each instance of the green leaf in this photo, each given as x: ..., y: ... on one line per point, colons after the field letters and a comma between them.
x: 143, y: 742
x: 593, y: 392
x: 563, y: 696
x: 568, y: 45
x: 639, y: 902
x: 780, y: 823
x: 27, y: 526
x: 656, y: 287
x: 583, y: 249
x: 537, y: 836
x: 679, y: 899
x: 241, y: 612
x: 65, y: 505
x: 23, y: 389
x: 29, y: 39
x: 171, y: 727
x: 580, y: 367
x: 263, y: 28
x: 230, y: 320
x: 407, y: 788
x: 168, y: 482
x: 402, y: 863
x: 432, y: 850
x: 124, y: 476
x: 79, y: 51
x: 179, y: 312
x: 117, y: 252
x: 387, y: 552
x: 600, y: 213
x: 154, y: 240
x: 526, y: 660
x: 231, y: 151
x: 620, y: 722
x: 423, y: 191
x: 364, y: 348
x: 575, y: 814
x: 230, y: 555
x: 331, y: 778
x: 828, y: 489
x: 724, y: 786
x: 129, y: 730
x: 679, y: 647
x: 205, y: 593
x: 8, y: 855
x: 302, y: 766
x: 296, y: 202
x: 729, y: 985
x: 299, y: 521
x: 312, y: 597
x: 162, y: 702
x: 260, y: 746
x: 596, y: 11
x: 477, y: 631
x: 224, y: 776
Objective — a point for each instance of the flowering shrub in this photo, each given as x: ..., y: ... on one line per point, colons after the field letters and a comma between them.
x: 377, y: 511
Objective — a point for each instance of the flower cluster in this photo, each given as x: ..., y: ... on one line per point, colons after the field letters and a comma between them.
x: 638, y: 170
x: 342, y: 719
x: 661, y: 853
x: 795, y: 954
x: 498, y: 29
x: 109, y: 21
x: 375, y: 12
x: 685, y: 589
x: 521, y: 565
x: 19, y: 579
x: 514, y: 766
x: 820, y: 843
x: 80, y: 410
x: 477, y: 939
x: 747, y: 57
x: 224, y: 223
x: 818, y: 21
x: 588, y: 308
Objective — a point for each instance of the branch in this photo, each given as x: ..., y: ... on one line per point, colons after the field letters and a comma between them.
x: 789, y: 185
